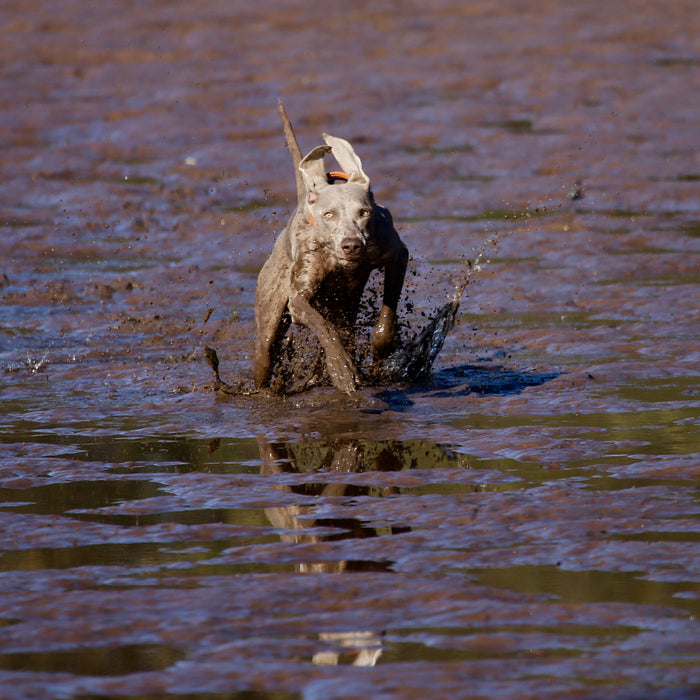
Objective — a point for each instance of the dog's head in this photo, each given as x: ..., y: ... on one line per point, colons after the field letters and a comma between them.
x: 341, y: 214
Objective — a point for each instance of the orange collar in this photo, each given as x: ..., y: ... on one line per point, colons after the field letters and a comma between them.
x: 337, y: 175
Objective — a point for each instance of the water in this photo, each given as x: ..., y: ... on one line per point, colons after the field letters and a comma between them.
x: 523, y: 522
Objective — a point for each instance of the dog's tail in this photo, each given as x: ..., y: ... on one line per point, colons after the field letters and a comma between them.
x: 293, y: 147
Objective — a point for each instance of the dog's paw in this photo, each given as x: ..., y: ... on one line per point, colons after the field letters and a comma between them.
x: 343, y: 373
x: 384, y: 334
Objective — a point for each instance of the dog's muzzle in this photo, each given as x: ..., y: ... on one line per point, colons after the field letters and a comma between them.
x: 351, y: 247
x: 352, y: 250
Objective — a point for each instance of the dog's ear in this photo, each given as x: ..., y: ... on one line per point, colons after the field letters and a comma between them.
x: 314, y: 172
x: 348, y: 160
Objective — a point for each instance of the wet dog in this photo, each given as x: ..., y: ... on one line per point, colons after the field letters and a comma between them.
x: 321, y: 262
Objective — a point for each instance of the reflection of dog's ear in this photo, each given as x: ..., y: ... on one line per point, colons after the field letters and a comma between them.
x: 348, y: 160
x: 314, y: 172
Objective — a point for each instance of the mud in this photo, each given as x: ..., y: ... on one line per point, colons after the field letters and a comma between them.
x: 521, y: 523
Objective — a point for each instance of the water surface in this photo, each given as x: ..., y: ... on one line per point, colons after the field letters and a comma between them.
x: 524, y: 524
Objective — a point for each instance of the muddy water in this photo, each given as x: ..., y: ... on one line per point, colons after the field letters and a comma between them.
x: 523, y: 525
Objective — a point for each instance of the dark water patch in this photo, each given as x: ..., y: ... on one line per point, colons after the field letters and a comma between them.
x: 459, y: 489
x: 18, y: 222
x: 588, y: 586
x: 483, y: 642
x: 135, y: 180
x: 614, y: 451
x: 62, y: 497
x: 599, y: 482
x: 676, y: 61
x: 128, y: 453
x: 663, y: 433
x: 184, y: 455
x: 8, y: 622
x: 127, y: 554
x: 669, y: 280
x: 527, y: 473
x: 242, y: 517
x: 204, y: 570
x: 290, y: 565
x: 515, y: 126
x: 688, y: 177
x: 532, y: 474
x: 618, y: 213
x: 95, y: 660
x: 433, y: 651
x: 253, y: 205
x: 646, y: 250
x: 652, y: 535
x: 692, y: 229
x: 595, y: 424
x: 608, y: 474
x: 601, y: 633
x: 662, y: 390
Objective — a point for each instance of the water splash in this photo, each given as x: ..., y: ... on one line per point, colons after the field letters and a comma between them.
x: 301, y: 366
x: 31, y: 364
x: 413, y: 361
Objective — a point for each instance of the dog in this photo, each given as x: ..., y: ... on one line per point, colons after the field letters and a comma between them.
x: 321, y: 261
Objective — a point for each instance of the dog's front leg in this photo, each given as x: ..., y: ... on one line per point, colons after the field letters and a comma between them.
x: 385, y: 330
x: 271, y: 321
x: 340, y: 365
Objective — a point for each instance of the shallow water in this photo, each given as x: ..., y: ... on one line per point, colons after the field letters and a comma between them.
x: 525, y: 524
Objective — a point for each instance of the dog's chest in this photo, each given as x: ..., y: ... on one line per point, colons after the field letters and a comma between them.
x: 341, y: 288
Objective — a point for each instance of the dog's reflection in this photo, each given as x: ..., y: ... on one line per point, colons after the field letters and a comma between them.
x: 328, y: 456
x: 363, y: 648
x: 357, y: 647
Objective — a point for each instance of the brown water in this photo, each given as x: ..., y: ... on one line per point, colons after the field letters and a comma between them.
x: 523, y: 525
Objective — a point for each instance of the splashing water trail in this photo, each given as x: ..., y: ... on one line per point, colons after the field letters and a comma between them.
x: 413, y: 361
x: 301, y: 364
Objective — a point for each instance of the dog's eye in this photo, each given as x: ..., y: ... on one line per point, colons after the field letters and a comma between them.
x: 364, y: 213
x: 328, y: 214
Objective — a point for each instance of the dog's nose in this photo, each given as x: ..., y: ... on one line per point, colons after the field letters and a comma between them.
x: 351, y: 246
